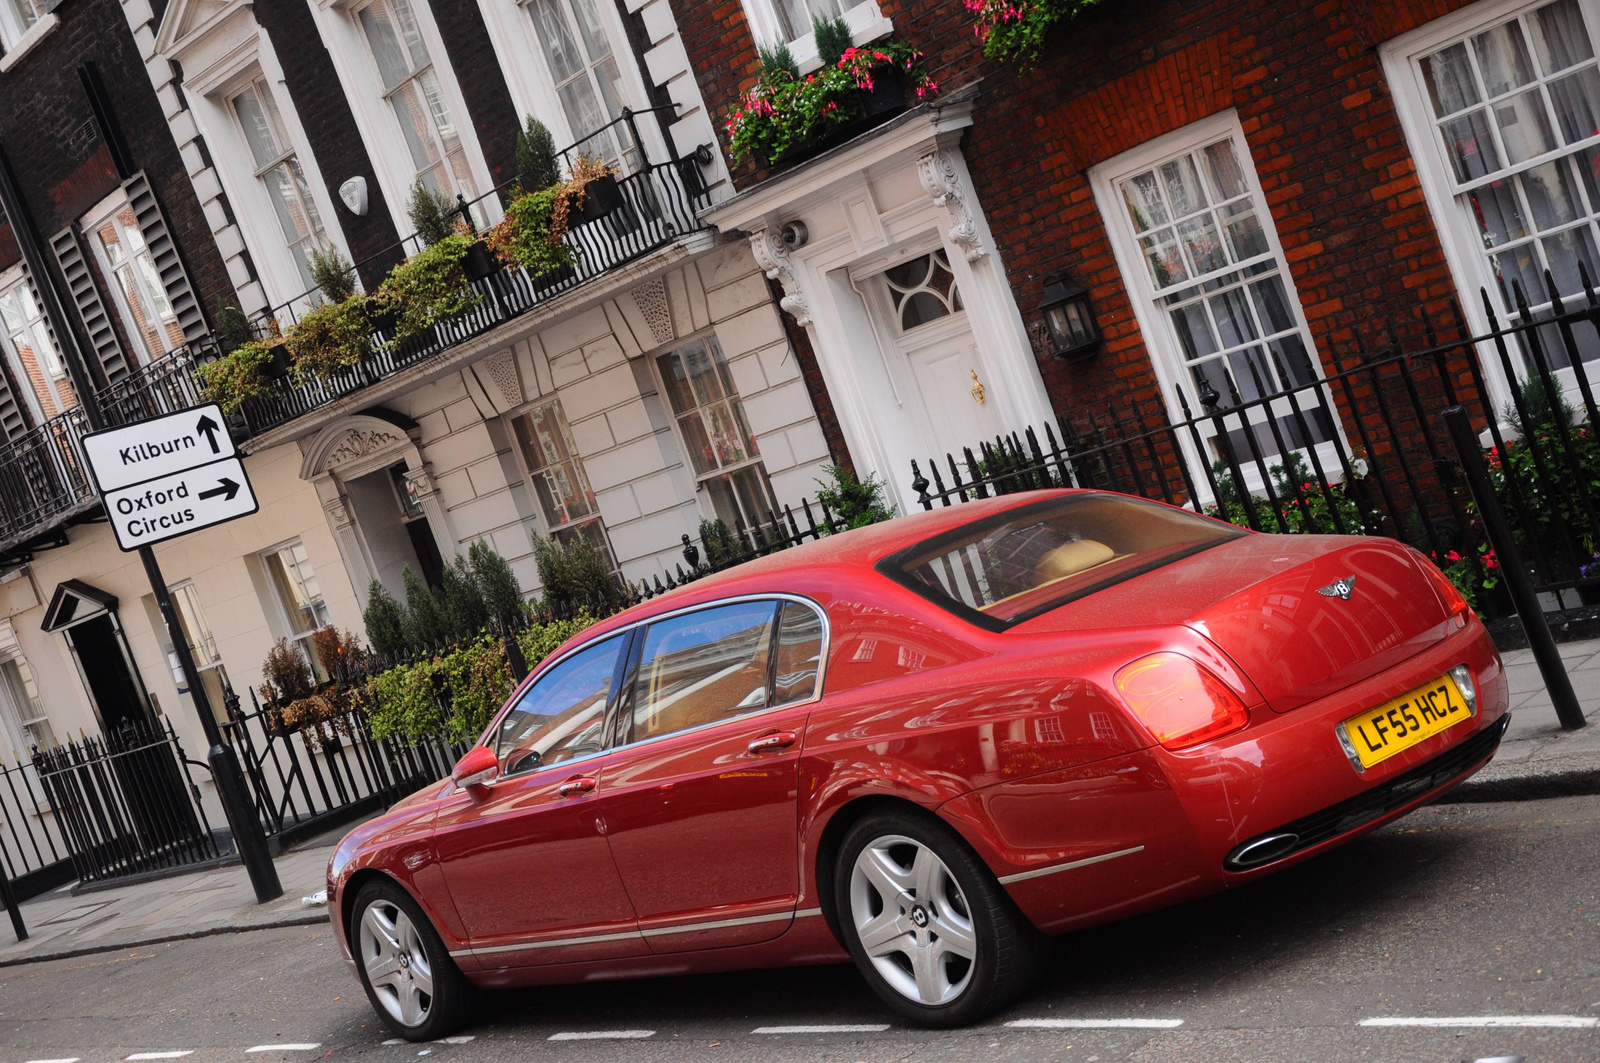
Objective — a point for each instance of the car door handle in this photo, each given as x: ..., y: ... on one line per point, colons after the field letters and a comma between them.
x: 773, y: 742
x: 582, y: 784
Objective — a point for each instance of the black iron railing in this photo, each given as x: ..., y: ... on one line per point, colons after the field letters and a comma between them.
x: 166, y: 385
x: 34, y: 855
x: 1369, y: 453
x: 43, y: 478
x: 659, y: 201
x: 126, y: 804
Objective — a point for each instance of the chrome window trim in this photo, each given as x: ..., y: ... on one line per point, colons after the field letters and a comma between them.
x: 629, y: 628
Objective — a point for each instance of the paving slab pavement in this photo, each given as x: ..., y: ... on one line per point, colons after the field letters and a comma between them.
x: 1537, y: 759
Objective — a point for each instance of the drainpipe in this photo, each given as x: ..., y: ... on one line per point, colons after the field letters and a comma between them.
x: 44, y: 281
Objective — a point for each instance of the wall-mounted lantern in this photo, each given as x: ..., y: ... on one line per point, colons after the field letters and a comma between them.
x: 1069, y: 318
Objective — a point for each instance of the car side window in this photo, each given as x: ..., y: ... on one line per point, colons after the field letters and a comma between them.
x: 562, y: 715
x: 701, y: 667
x: 799, y: 654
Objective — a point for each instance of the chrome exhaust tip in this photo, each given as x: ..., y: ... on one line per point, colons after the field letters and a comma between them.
x: 1262, y: 850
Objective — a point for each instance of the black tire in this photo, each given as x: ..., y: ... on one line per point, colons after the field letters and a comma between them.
x: 1009, y: 951
x: 427, y: 962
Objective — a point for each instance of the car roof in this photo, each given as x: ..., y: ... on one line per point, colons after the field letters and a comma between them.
x: 859, y: 548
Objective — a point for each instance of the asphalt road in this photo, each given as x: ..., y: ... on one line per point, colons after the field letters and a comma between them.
x: 1461, y: 912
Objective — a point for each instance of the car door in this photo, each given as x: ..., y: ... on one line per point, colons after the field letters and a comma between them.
x: 525, y: 856
x: 700, y: 800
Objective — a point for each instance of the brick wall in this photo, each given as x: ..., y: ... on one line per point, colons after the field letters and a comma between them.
x: 488, y: 102
x: 1305, y: 78
x: 331, y: 130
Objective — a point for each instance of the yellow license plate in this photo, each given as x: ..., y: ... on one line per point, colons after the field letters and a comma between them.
x: 1377, y: 734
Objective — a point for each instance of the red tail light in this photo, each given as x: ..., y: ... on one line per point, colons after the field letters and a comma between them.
x: 1455, y: 605
x: 1181, y: 702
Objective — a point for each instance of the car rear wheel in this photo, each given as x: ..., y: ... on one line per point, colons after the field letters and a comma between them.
x: 413, y: 984
x: 929, y: 927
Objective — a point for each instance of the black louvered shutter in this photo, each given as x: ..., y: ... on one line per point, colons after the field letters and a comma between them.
x: 103, y: 345
x: 174, y: 278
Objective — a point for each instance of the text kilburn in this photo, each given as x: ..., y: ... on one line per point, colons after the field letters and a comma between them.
x: 141, y: 451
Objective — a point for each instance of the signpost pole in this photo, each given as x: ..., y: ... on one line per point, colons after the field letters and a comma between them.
x: 248, y: 836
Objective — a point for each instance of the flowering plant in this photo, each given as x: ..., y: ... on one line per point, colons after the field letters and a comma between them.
x: 1464, y: 571
x: 782, y: 111
x: 1014, y: 30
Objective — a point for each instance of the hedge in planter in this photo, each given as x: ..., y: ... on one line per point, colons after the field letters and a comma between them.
x: 332, y: 337
x: 527, y: 236
x: 784, y: 114
x: 429, y: 287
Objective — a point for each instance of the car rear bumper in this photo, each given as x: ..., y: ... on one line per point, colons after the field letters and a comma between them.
x: 1142, y: 830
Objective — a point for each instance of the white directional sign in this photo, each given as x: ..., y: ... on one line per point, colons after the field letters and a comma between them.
x: 138, y: 452
x: 166, y: 477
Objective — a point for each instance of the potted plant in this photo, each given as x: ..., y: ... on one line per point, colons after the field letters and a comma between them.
x: 531, y: 238
x: 332, y: 337
x: 592, y: 188
x: 431, y: 214
x: 428, y: 287
x: 241, y: 374
x: 480, y: 262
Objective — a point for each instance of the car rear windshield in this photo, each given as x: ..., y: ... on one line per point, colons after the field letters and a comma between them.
x: 1011, y: 566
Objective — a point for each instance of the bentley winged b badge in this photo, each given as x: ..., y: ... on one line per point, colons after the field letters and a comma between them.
x: 1339, y: 588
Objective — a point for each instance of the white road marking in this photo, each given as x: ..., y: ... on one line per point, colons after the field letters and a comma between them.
x: 866, y: 1027
x: 300, y: 1046
x: 602, y: 1035
x: 458, y: 1039
x: 1095, y: 1024
x: 394, y: 1041
x: 161, y: 1055
x: 68, y: 1059
x: 1488, y: 1020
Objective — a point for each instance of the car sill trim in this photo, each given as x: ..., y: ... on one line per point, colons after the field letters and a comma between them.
x: 628, y: 935
x: 1023, y: 876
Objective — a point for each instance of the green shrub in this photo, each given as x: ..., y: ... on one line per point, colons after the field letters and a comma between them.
x: 528, y: 236
x: 541, y: 640
x: 402, y: 702
x: 718, y: 544
x: 427, y: 623
x: 833, y: 37
x: 536, y: 156
x: 239, y: 375
x: 329, y: 338
x: 1315, y: 517
x: 431, y: 213
x: 476, y: 679
x: 233, y: 328
x: 428, y: 287
x: 852, y: 500
x: 502, y: 594
x: 385, y: 620
x: 332, y: 272
x: 777, y: 59
x: 573, y: 574
x: 1014, y: 30
x: 464, y: 607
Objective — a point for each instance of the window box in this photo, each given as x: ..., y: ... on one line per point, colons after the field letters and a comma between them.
x: 601, y: 196
x: 278, y: 367
x: 480, y: 261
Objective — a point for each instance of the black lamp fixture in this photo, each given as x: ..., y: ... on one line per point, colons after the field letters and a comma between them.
x: 1069, y: 318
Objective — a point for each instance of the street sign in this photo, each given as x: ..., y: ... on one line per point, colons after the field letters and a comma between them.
x: 134, y: 453
x: 169, y: 476
x: 170, y: 506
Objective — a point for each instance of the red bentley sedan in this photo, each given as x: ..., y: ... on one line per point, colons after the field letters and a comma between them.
x: 924, y: 746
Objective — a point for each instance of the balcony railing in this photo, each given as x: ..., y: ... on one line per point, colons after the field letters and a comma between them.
x: 659, y: 204
x: 43, y: 478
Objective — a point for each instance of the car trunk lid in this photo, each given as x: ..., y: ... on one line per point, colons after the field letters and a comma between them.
x: 1275, y: 605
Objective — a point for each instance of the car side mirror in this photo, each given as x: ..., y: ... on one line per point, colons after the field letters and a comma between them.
x: 476, y: 768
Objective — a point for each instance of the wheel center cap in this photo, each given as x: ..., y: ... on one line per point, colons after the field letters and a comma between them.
x: 405, y: 961
x: 919, y: 916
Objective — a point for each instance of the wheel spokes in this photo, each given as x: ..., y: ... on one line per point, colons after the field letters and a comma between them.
x: 887, y: 933
x: 884, y: 872
x: 396, y: 963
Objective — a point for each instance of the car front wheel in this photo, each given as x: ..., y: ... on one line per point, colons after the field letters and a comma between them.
x: 413, y: 984
x: 929, y: 927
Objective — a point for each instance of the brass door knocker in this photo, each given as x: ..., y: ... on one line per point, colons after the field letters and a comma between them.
x: 977, y: 388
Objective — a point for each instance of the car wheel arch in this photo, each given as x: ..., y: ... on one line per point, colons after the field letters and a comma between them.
x: 352, y: 889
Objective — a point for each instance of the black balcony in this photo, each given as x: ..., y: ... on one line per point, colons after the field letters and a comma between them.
x: 659, y: 201
x: 44, y: 481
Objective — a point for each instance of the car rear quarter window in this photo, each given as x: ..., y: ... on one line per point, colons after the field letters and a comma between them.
x: 1005, y: 568
x: 562, y: 715
x: 701, y: 667
x: 799, y: 654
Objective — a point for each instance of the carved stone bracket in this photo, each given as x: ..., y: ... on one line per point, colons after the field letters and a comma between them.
x: 361, y: 442
x: 774, y: 260
x: 937, y: 172
x: 420, y: 483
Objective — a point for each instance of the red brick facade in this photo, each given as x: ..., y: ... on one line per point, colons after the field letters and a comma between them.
x: 1307, y: 83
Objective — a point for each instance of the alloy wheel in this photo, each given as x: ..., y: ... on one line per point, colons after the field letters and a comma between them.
x: 396, y: 963
x: 913, y: 920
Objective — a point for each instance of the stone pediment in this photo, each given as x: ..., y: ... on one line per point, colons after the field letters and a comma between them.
x: 186, y: 21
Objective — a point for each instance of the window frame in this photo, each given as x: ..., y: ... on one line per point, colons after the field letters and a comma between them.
x: 10, y: 280
x: 865, y: 18
x: 284, y: 616
x: 627, y: 669
x: 1161, y: 341
x: 109, y: 212
x: 553, y: 531
x: 700, y: 479
x: 1401, y: 59
x: 17, y: 700
x: 12, y: 31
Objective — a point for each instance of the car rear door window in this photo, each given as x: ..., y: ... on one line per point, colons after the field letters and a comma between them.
x: 702, y: 667
x: 562, y: 715
x: 799, y: 654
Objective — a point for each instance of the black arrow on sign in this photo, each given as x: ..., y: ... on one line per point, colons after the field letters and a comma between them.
x: 225, y: 487
x: 208, y: 428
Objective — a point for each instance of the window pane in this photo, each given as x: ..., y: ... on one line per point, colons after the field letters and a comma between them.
x: 1498, y: 213
x: 1519, y: 265
x: 1524, y: 126
x: 1560, y: 38
x: 1448, y: 74
x: 702, y: 374
x: 593, y: 33
x: 1194, y: 331
x: 1565, y: 251
x: 703, y: 667
x: 563, y: 714
x: 799, y: 653
x: 1272, y: 305
x: 412, y: 112
x: 393, y: 65
x: 259, y: 128
x: 1143, y: 199
x: 1503, y: 58
x: 698, y: 442
x: 1471, y: 148
x: 1233, y: 319
x: 1222, y: 165
x: 1552, y: 197
x: 289, y: 570
x: 1577, y: 102
x: 1183, y: 186
x: 545, y: 439
x: 1203, y: 244
x: 560, y: 50
x: 1162, y: 259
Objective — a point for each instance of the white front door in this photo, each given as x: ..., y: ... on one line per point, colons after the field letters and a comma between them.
x: 945, y: 373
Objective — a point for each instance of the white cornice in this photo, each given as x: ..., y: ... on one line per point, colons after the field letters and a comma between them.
x: 916, y: 133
